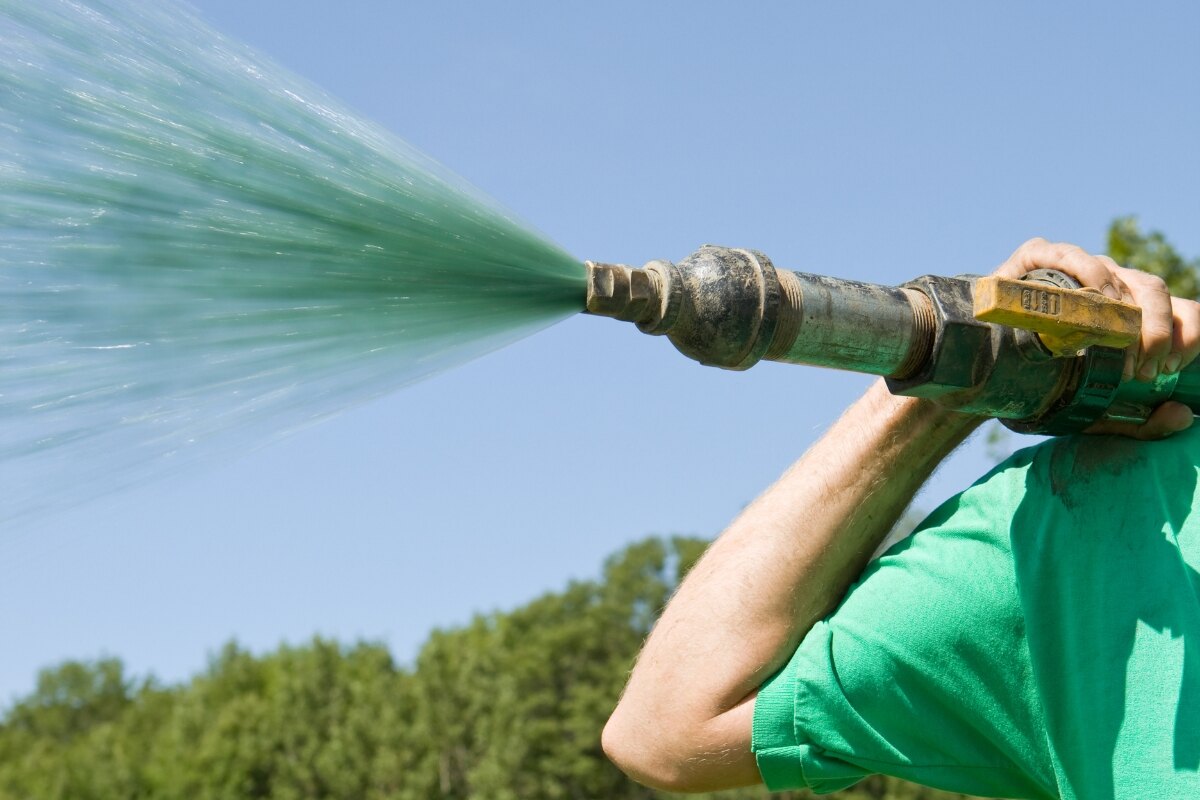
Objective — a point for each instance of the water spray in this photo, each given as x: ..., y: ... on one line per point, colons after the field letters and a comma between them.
x: 200, y: 252
x: 1040, y: 354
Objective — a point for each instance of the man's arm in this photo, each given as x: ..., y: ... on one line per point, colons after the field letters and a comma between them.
x: 684, y: 721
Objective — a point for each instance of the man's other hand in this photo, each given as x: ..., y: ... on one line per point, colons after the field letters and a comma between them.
x: 1170, y: 337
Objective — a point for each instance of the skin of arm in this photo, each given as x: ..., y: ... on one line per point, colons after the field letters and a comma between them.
x: 684, y: 720
x: 778, y: 569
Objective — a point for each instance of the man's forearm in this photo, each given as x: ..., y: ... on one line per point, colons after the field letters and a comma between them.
x: 781, y: 566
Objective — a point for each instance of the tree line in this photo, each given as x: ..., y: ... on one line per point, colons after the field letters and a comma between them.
x: 508, y: 707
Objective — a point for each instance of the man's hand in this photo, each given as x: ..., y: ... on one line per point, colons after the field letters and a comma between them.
x: 1170, y: 325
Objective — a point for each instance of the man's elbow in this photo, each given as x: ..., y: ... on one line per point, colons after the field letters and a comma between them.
x: 672, y: 755
x: 643, y: 754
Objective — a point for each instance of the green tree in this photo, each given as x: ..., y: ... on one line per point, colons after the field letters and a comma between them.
x: 507, y: 707
x: 319, y: 721
x: 1151, y: 252
x: 513, y: 704
x: 72, y: 699
x: 82, y: 733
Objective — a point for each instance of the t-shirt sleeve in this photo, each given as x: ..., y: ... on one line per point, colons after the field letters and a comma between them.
x: 923, y: 671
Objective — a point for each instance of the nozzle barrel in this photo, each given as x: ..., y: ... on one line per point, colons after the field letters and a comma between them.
x: 730, y: 308
x: 864, y: 327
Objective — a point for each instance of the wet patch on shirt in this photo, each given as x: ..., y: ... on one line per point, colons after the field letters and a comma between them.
x: 1077, y: 462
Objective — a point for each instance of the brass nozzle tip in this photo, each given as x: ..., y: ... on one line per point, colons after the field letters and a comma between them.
x: 615, y: 290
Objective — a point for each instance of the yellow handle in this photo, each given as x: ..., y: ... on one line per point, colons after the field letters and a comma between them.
x: 1066, y: 320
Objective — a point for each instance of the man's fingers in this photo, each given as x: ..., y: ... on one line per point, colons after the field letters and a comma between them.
x: 1170, y: 335
x: 1118, y: 274
x: 1089, y: 270
x: 1169, y: 418
x: 1158, y: 318
x: 1158, y: 343
x: 1185, y: 340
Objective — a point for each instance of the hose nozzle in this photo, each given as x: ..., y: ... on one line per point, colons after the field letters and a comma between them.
x: 625, y: 293
x: 730, y: 307
x: 717, y: 306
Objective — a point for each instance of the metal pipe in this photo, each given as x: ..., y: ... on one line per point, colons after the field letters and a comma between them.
x: 864, y: 327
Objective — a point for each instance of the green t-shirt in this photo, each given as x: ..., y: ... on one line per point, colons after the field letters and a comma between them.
x: 1037, y: 637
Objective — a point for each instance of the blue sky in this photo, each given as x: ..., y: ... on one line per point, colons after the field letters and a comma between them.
x: 873, y: 141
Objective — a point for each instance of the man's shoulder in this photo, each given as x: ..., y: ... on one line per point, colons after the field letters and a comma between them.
x: 1063, y: 502
x: 1085, y: 473
x: 1097, y: 482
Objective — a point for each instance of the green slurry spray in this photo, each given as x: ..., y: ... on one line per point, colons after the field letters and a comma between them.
x: 199, y: 251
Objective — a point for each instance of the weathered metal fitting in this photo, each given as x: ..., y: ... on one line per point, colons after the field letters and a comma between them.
x: 717, y: 306
x: 650, y: 297
x: 1086, y: 393
x: 1089, y: 378
x: 962, y: 349
x: 721, y: 306
x: 924, y: 331
x: 663, y: 311
x: 1068, y: 319
x: 845, y: 324
x: 615, y: 290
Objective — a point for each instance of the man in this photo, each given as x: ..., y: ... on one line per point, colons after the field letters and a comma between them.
x: 1037, y: 637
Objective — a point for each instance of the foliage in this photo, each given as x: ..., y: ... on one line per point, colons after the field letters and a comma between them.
x: 1151, y: 252
x: 508, y: 707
